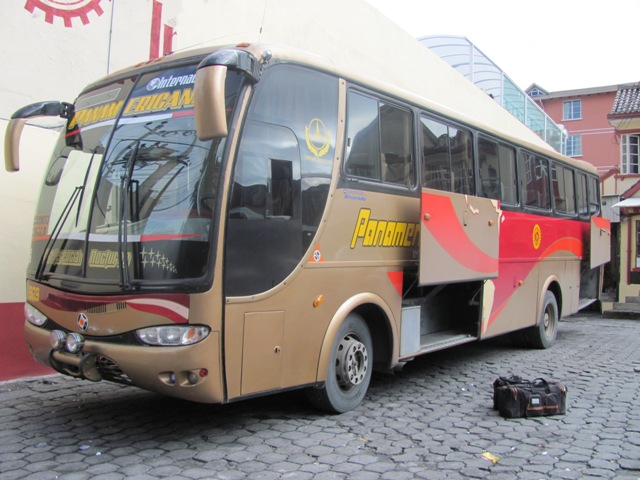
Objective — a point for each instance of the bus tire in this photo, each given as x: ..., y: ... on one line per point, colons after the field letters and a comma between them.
x: 350, y: 368
x: 544, y: 334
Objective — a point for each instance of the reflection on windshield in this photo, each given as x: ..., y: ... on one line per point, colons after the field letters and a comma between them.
x: 130, y: 194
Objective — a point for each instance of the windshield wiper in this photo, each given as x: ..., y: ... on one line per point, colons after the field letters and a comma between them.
x: 55, y: 233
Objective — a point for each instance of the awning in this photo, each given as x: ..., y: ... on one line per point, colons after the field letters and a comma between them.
x: 627, y: 203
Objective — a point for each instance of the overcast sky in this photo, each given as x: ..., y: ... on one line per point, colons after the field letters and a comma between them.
x: 558, y: 44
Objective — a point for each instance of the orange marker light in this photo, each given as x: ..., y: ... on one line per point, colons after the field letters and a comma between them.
x: 318, y: 301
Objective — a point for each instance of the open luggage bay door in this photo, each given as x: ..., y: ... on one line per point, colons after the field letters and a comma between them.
x: 600, y: 250
x: 459, y: 237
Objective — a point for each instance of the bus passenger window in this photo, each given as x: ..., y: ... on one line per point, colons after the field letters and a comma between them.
x: 508, y: 176
x: 461, y: 161
x: 497, y: 171
x: 436, y: 170
x: 489, y: 169
x: 396, y: 141
x: 534, y: 184
x: 447, y: 157
x: 594, y: 203
x: 363, y: 144
x: 581, y: 194
x: 562, y: 189
x: 379, y: 141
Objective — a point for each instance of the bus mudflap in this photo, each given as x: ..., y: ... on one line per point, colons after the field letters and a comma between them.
x: 459, y: 237
x: 600, y: 250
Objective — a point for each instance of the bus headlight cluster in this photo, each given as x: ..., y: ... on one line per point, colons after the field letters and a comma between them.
x: 34, y: 316
x: 72, y: 342
x: 173, y: 335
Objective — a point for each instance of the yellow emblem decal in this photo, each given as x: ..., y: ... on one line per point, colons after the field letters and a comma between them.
x: 318, y: 137
x: 537, y: 236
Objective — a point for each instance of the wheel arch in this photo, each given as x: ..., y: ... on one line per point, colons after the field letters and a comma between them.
x: 378, y: 317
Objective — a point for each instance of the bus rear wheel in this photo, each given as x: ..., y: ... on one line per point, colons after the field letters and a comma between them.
x: 544, y: 334
x: 349, y: 371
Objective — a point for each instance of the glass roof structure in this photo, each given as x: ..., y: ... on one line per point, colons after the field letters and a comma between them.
x: 468, y: 60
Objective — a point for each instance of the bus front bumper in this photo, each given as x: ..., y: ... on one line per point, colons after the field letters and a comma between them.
x: 190, y: 372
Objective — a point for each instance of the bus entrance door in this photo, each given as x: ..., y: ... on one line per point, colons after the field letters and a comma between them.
x: 459, y: 237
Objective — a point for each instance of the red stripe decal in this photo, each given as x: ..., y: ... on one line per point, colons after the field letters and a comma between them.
x: 448, y: 232
x: 168, y: 311
x: 396, y: 279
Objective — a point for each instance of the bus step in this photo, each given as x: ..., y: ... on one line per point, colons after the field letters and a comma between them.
x: 441, y: 340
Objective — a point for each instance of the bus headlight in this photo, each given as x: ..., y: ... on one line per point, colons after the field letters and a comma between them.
x: 173, y: 335
x: 34, y: 316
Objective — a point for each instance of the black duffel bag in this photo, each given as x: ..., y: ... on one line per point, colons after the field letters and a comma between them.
x: 515, y: 397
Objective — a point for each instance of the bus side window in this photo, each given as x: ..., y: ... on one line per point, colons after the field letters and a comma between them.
x: 380, y: 141
x: 583, y: 207
x: 562, y: 189
x: 508, y: 176
x: 460, y: 145
x: 489, y: 169
x: 594, y: 203
x: 447, y: 157
x: 396, y: 142
x: 534, y: 184
x: 363, y: 145
x: 497, y: 171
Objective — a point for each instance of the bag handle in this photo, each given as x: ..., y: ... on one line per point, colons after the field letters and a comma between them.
x: 541, y: 382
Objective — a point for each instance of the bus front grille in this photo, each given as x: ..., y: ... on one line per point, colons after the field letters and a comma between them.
x: 111, y: 371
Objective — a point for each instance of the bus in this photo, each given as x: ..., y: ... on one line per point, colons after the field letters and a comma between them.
x: 230, y: 222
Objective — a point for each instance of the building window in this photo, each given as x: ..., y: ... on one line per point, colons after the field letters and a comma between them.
x: 572, y: 110
x: 629, y: 153
x: 574, y: 145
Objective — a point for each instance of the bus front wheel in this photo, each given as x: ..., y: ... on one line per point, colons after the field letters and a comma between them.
x: 350, y: 368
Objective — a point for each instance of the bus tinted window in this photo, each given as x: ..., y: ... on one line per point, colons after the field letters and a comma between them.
x: 497, y: 171
x: 534, y: 182
x: 380, y: 139
x: 281, y: 177
x: 447, y: 157
x: 594, y: 202
x: 396, y: 141
x: 508, y: 176
x: 563, y: 191
x: 583, y: 208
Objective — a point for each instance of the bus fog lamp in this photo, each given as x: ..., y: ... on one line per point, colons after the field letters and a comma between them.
x: 34, y: 316
x: 193, y: 378
x: 173, y: 335
x: 57, y: 340
x: 74, y: 342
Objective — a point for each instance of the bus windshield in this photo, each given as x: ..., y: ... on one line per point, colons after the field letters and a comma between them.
x: 129, y: 196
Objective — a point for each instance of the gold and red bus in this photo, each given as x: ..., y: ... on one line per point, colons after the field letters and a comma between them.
x: 234, y: 221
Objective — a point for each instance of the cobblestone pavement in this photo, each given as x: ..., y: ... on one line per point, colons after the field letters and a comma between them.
x: 432, y: 420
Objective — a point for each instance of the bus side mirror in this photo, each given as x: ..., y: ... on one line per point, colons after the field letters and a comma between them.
x: 209, y: 103
x: 17, y: 123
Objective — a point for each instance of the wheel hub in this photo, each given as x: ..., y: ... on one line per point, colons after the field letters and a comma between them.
x: 352, y: 362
